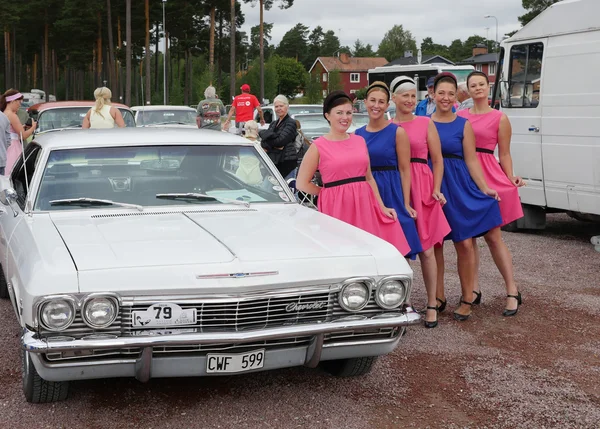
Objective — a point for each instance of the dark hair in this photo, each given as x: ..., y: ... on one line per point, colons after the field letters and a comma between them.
x: 334, y: 99
x: 379, y: 85
x: 445, y: 77
x: 3, y: 102
x: 477, y: 73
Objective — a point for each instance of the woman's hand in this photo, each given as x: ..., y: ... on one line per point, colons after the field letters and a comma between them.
x: 517, y: 181
x: 411, y: 212
x: 391, y: 213
x: 439, y: 197
x: 492, y: 193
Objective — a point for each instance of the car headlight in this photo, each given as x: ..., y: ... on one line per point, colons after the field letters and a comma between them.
x: 57, y: 314
x: 390, y: 294
x: 100, y: 312
x: 354, y: 296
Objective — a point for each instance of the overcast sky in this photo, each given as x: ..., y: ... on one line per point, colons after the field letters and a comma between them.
x: 369, y: 20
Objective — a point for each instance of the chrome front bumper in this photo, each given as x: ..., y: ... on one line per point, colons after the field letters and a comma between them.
x: 144, y: 367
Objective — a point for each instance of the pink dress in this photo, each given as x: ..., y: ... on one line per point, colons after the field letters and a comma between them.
x: 14, y: 151
x: 432, y: 225
x: 353, y: 202
x: 486, y: 126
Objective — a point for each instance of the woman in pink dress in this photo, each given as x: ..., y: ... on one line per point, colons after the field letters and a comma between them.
x: 349, y: 192
x: 492, y: 128
x: 10, y: 102
x: 426, y: 197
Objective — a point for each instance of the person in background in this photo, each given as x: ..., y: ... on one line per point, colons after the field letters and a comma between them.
x: 425, y: 188
x: 251, y: 130
x: 10, y: 102
x: 472, y: 208
x: 349, y: 191
x: 389, y: 152
x: 103, y: 114
x: 426, y: 107
x: 492, y: 128
x: 278, y: 140
x: 353, y: 101
x: 243, y: 108
x: 249, y: 166
x: 210, y: 110
x: 462, y: 94
x: 4, y: 140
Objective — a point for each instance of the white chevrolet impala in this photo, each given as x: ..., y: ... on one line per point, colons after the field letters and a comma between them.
x: 174, y: 253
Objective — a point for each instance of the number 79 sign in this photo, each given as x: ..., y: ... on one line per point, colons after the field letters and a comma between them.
x: 163, y: 314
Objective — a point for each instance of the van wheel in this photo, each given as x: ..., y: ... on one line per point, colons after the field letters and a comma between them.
x: 3, y: 285
x: 352, y: 367
x: 510, y: 227
x: 40, y: 391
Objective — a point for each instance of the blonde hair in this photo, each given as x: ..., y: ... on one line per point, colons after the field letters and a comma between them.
x: 251, y: 128
x: 102, y: 96
x: 282, y: 99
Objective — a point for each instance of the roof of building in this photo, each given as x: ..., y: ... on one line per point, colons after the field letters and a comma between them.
x: 354, y: 64
x: 425, y: 59
x: 481, y: 59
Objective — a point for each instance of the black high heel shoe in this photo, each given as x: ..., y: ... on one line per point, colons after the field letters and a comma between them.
x: 442, y: 305
x: 508, y: 313
x: 477, y: 299
x: 462, y: 317
x: 435, y: 322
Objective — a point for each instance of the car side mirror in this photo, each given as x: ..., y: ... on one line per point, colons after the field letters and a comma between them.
x: 8, y: 196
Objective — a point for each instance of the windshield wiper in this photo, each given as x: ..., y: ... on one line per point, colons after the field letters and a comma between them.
x: 74, y: 127
x: 93, y: 202
x: 168, y: 123
x: 197, y: 196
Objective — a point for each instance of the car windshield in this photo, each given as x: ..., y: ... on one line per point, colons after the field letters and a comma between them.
x: 71, y: 117
x: 159, y: 117
x: 311, y: 123
x: 294, y: 110
x: 137, y: 174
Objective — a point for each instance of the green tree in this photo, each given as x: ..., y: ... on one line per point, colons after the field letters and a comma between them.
x: 291, y: 74
x: 430, y: 48
x: 313, y: 90
x: 294, y: 43
x: 330, y: 44
x: 395, y: 42
x: 534, y: 8
x: 254, y: 48
x: 361, y: 50
x: 315, y: 43
x: 335, y: 81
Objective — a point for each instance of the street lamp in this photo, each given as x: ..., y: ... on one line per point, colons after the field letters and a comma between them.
x: 164, y: 57
x: 491, y: 16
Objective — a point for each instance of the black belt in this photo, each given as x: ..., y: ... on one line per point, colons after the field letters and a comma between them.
x: 344, y: 181
x: 385, y: 168
x: 452, y: 156
x: 419, y: 160
x: 482, y: 150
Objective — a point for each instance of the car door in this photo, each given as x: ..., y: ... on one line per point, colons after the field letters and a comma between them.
x: 522, y: 104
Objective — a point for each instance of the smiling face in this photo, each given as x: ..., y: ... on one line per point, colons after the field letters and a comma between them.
x: 406, y: 101
x: 340, y: 117
x: 478, y: 87
x: 445, y: 96
x: 377, y: 103
x: 281, y: 109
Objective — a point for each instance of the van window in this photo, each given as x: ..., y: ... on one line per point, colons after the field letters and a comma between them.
x: 524, y: 76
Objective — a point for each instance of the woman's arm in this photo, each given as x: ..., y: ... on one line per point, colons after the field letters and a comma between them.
x: 86, y: 119
x: 504, y: 136
x: 118, y: 117
x: 18, y: 127
x: 403, y: 155
x: 307, y: 170
x: 371, y: 181
x: 286, y: 134
x: 437, y: 161
x: 473, y: 163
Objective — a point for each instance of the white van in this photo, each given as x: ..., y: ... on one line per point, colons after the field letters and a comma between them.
x: 548, y: 74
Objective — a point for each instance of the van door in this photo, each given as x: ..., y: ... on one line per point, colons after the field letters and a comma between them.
x: 521, y: 102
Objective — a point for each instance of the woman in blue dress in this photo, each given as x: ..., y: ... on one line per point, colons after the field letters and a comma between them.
x: 472, y: 208
x: 389, y: 152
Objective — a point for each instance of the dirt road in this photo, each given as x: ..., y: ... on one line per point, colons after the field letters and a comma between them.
x: 540, y: 369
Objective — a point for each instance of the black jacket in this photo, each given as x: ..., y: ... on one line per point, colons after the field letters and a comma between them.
x: 281, y: 134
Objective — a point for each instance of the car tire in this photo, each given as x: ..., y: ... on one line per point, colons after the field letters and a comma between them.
x: 40, y: 391
x: 352, y: 367
x: 3, y: 285
x: 510, y: 227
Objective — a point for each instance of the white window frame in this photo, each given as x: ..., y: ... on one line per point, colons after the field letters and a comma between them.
x: 478, y: 67
x: 324, y: 93
x: 324, y: 77
x: 353, y: 91
x: 354, y: 77
x: 492, y: 69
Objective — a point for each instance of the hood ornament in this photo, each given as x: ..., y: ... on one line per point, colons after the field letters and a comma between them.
x: 237, y: 275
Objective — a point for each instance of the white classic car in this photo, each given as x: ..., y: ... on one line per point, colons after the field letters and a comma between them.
x: 174, y: 253
x: 165, y: 116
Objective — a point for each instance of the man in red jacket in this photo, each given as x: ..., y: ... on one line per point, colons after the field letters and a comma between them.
x: 243, y: 107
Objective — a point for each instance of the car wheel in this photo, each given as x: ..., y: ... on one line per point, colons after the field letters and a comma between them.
x: 510, y: 227
x: 36, y: 389
x: 3, y: 285
x: 350, y: 367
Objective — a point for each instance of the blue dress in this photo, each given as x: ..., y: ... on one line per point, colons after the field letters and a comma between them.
x: 382, y: 152
x: 470, y: 212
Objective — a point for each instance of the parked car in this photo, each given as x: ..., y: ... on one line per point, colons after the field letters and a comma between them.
x: 175, y: 253
x: 294, y: 109
x: 177, y: 116
x: 314, y: 125
x: 61, y: 115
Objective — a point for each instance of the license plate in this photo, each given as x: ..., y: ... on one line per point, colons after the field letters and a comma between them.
x: 227, y: 363
x: 163, y: 314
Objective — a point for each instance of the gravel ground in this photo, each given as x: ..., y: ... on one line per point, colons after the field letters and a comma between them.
x: 537, y: 370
